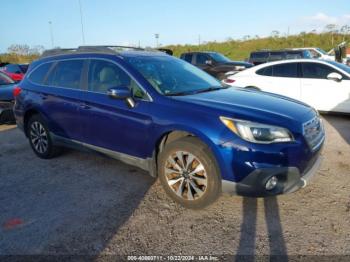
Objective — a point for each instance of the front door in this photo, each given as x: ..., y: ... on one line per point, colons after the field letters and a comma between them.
x: 111, y: 123
x: 322, y: 93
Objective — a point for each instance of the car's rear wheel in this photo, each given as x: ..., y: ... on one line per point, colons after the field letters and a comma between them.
x: 189, y: 173
x: 40, y: 139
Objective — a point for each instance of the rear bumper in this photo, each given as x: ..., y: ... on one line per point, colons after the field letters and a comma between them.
x: 6, y: 112
x: 289, y: 180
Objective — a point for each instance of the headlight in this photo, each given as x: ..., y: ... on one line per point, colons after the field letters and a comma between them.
x: 257, y: 133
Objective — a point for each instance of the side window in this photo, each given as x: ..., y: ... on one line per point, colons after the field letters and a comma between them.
x: 66, y: 74
x: 14, y: 69
x: 266, y: 71
x: 38, y: 75
x: 104, y: 75
x: 314, y: 70
x: 201, y: 59
x: 188, y: 58
x: 286, y: 70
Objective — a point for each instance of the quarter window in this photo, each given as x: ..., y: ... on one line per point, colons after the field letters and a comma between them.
x: 313, y: 70
x: 104, y: 75
x: 38, y: 75
x: 266, y: 71
x: 67, y: 74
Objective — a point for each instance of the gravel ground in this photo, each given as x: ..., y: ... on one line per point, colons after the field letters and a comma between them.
x: 81, y: 203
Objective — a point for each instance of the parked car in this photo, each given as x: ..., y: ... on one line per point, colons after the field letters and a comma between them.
x: 6, y: 97
x: 317, y: 53
x: 170, y: 118
x: 264, y: 56
x: 15, y: 71
x: 215, y: 64
x: 325, y: 85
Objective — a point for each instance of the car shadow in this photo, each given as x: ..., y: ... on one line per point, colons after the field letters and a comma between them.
x: 70, y: 205
x: 247, y: 242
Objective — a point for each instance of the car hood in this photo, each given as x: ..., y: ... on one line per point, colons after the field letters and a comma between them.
x: 251, y: 105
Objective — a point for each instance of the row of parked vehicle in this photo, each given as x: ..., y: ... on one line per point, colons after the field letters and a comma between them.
x: 166, y: 116
x: 305, y: 74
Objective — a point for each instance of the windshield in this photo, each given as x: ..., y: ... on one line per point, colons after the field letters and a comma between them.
x: 219, y: 58
x: 171, y: 76
x: 24, y: 68
x: 5, y: 80
x: 321, y: 51
x: 340, y: 66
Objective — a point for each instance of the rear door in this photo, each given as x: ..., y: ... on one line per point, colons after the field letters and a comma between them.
x: 322, y: 93
x: 61, y: 98
x: 110, y: 123
x: 280, y: 79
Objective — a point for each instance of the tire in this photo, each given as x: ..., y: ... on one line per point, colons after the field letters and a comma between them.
x: 40, y: 139
x: 205, y: 184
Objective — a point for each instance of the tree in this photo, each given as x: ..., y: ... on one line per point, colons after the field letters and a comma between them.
x: 275, y: 34
x: 345, y: 30
x: 331, y: 28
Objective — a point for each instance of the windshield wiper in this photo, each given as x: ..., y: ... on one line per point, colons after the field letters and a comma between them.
x: 212, y: 88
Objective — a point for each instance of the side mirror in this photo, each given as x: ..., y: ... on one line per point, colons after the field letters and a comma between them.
x: 122, y: 93
x: 335, y: 77
x: 209, y: 62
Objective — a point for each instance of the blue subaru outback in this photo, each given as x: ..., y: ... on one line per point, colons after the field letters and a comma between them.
x: 163, y: 115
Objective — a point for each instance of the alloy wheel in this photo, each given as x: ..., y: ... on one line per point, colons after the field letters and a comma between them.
x: 39, y: 137
x: 186, y: 175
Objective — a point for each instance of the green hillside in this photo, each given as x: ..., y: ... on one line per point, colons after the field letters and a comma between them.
x: 240, y: 49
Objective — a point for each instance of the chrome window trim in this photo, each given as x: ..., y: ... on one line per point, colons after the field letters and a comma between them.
x: 150, y: 99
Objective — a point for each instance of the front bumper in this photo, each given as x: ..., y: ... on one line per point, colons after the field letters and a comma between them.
x: 289, y: 180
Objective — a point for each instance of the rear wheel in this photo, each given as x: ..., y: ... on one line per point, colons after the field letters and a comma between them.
x: 40, y: 139
x: 189, y: 173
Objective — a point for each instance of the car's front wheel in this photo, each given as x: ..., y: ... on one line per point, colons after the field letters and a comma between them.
x: 40, y: 139
x: 189, y: 173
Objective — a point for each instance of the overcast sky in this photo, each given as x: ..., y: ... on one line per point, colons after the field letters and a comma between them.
x: 176, y: 21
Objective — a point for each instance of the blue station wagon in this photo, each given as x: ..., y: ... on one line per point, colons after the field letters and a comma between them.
x: 163, y: 115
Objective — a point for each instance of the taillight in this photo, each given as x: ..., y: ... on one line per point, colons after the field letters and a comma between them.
x: 16, y: 91
x: 229, y: 81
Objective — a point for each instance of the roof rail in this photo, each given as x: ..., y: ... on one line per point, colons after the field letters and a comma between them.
x: 108, y: 49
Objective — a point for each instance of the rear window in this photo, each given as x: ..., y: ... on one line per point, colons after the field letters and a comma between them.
x: 67, y: 74
x: 39, y: 74
x: 259, y: 55
x: 267, y: 71
x: 274, y: 56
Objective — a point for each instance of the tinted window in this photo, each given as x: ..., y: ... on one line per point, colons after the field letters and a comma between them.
x: 5, y: 80
x: 286, y: 70
x: 274, y: 56
x: 201, y: 59
x: 188, y: 58
x: 24, y: 68
x: 267, y: 71
x: 38, y: 75
x: 259, y: 55
x: 104, y: 75
x: 67, y: 74
x: 14, y: 69
x: 293, y: 55
x: 313, y: 70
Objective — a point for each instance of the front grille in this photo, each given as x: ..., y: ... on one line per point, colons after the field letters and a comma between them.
x: 314, y: 133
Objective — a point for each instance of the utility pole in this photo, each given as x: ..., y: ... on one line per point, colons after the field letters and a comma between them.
x: 199, y: 40
x: 51, y: 34
x: 157, y: 40
x: 81, y: 21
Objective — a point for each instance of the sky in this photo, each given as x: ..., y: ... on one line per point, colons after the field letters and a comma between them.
x: 134, y: 22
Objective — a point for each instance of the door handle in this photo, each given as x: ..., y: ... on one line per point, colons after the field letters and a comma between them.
x: 84, y: 106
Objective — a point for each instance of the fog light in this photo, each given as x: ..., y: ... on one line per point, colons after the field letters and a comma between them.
x: 271, y: 183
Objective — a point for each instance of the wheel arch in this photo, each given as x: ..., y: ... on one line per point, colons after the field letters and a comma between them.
x: 174, y: 134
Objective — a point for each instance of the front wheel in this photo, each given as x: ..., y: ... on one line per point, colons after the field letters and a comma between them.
x: 40, y: 139
x: 189, y: 173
